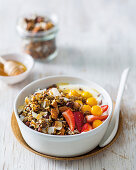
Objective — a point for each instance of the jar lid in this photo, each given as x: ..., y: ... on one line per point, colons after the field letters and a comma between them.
x: 24, y: 33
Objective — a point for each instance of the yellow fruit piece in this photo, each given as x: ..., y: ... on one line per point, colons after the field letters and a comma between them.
x: 96, y: 111
x: 91, y: 101
x: 86, y: 108
x: 79, y: 102
x: 96, y: 123
x: 74, y: 93
x: 86, y: 94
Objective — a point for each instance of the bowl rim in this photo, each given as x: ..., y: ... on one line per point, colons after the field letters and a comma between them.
x: 29, y: 68
x: 63, y: 136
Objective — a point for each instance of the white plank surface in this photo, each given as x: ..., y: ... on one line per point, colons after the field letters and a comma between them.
x: 96, y: 41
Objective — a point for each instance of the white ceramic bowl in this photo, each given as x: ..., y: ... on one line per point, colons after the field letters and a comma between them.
x: 55, y: 145
x: 25, y: 59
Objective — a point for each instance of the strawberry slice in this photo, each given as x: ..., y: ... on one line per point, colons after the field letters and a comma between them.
x: 87, y: 127
x: 104, y: 108
x: 91, y: 118
x: 69, y: 116
x: 79, y: 119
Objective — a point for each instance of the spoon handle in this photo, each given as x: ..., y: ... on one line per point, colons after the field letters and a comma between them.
x: 120, y: 92
x: 113, y: 125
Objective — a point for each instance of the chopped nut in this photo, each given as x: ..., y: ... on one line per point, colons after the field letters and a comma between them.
x: 49, y: 25
x: 62, y: 131
x: 54, y: 113
x: 63, y: 108
x: 30, y: 26
x: 58, y: 125
x: 37, y: 29
x: 54, y: 103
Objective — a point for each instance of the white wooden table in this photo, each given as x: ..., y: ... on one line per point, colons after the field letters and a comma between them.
x: 96, y: 41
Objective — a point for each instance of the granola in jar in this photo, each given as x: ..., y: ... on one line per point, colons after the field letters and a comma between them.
x: 39, y: 35
x: 64, y: 110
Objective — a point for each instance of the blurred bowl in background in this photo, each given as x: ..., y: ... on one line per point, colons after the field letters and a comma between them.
x: 25, y: 59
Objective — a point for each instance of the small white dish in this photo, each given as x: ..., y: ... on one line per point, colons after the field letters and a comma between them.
x: 25, y: 59
x: 55, y: 145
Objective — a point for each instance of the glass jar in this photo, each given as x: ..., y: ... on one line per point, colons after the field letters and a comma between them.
x: 40, y: 45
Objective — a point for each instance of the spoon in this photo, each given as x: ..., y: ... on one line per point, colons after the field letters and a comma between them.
x: 113, y: 125
x: 12, y: 68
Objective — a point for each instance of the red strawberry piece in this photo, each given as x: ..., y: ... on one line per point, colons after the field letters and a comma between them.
x: 104, y: 108
x: 87, y: 127
x: 91, y: 118
x: 69, y: 116
x: 79, y: 119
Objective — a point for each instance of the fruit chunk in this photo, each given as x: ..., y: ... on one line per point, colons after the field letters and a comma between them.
x: 79, y: 119
x: 73, y: 93
x: 86, y: 94
x: 104, y: 108
x: 96, y: 110
x: 87, y: 127
x: 91, y: 118
x: 96, y: 123
x: 91, y: 101
x: 86, y: 108
x: 69, y: 116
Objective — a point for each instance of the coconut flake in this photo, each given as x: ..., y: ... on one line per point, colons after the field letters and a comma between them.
x: 54, y: 92
x: 66, y: 99
x: 34, y: 114
x: 51, y: 130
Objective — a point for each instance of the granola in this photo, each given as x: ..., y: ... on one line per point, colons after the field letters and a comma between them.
x: 60, y: 110
x: 39, y: 36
